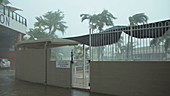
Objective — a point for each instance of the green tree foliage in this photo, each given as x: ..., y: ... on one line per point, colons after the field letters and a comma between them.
x: 37, y: 33
x: 78, y: 52
x: 47, y: 24
x: 105, y: 18
x: 51, y: 22
x: 93, y: 19
x: 98, y: 21
x: 137, y: 19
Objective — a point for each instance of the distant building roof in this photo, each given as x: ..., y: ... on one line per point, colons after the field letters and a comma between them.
x: 13, y: 8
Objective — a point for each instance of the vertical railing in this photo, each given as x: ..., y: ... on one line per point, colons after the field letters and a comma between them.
x: 138, y: 48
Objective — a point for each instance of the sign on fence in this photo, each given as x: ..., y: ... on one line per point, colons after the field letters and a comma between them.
x: 63, y: 64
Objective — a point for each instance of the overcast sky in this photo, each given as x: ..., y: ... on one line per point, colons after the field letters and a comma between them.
x: 156, y: 10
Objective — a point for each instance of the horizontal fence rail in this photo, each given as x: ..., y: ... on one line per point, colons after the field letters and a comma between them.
x: 149, y: 42
x: 15, y: 16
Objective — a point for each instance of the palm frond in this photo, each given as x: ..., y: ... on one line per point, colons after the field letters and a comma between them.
x: 84, y: 17
x: 51, y: 22
x: 99, y: 20
x: 139, y: 18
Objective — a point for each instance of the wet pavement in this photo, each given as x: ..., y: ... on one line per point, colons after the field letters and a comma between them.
x: 9, y: 86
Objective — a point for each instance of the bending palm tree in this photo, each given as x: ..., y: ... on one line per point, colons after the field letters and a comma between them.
x: 105, y: 18
x: 98, y: 22
x: 93, y: 19
x: 136, y: 19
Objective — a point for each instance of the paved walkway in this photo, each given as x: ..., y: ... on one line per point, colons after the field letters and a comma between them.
x: 9, y: 86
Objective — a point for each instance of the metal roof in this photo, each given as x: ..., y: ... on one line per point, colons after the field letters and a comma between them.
x: 113, y: 34
x: 49, y: 43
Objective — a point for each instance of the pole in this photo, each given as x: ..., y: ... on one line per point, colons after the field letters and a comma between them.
x: 45, y: 49
x: 131, y: 33
x: 84, y: 65
x: 71, y: 70
x: 90, y: 43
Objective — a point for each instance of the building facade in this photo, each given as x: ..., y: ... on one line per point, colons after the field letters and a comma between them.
x: 12, y: 28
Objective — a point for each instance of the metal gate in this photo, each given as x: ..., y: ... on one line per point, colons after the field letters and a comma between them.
x: 80, y: 74
x: 80, y: 70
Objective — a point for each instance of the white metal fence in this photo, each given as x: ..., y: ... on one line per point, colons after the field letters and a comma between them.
x: 149, y: 42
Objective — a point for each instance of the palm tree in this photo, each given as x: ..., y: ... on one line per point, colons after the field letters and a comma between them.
x: 40, y: 23
x: 39, y: 34
x: 105, y: 18
x: 51, y: 21
x: 98, y: 21
x: 48, y: 24
x: 93, y: 19
x: 136, y: 19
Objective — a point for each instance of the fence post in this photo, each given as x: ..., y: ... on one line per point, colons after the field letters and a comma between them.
x: 131, y: 33
x: 90, y: 43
